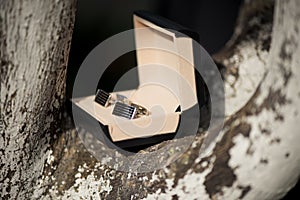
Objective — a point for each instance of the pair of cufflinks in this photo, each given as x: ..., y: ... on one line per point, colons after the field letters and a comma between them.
x: 123, y: 107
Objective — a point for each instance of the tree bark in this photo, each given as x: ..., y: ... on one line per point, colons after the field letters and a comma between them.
x: 255, y: 157
x: 35, y: 40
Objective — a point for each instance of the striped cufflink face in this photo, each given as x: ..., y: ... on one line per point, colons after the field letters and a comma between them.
x: 102, y: 97
x: 124, y: 110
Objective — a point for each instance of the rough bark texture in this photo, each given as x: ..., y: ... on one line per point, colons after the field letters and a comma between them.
x: 245, y: 55
x: 257, y: 155
x: 34, y: 46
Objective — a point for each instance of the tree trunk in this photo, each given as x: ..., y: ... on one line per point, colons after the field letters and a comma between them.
x: 34, y: 46
x: 257, y: 155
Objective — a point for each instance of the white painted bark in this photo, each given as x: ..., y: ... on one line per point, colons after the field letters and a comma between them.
x: 245, y: 58
x: 34, y: 46
x: 257, y: 156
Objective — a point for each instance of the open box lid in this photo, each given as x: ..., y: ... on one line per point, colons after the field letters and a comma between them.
x: 166, y: 47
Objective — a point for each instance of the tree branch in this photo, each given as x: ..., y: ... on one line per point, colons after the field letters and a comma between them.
x: 258, y: 155
x: 35, y: 40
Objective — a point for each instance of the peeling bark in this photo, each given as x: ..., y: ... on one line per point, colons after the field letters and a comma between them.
x: 255, y: 157
x: 244, y: 57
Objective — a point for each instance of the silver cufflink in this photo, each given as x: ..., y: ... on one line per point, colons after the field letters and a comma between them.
x: 103, y: 98
x: 106, y: 99
x: 123, y: 106
x: 129, y: 111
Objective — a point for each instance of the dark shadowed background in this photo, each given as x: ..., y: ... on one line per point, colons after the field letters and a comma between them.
x: 97, y: 20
